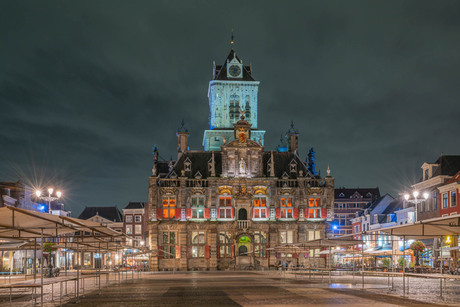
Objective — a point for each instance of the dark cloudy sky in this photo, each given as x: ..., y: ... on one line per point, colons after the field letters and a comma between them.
x: 88, y: 87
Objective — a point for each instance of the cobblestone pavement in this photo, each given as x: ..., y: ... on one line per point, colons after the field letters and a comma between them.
x: 238, y: 289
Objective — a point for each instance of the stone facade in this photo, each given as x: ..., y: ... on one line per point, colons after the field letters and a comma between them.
x: 238, y: 207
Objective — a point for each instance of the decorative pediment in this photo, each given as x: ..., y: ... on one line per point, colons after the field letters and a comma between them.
x: 243, y: 191
x: 285, y: 176
x: 259, y: 190
x: 197, y: 191
x: 173, y: 175
x: 315, y: 191
x: 286, y: 191
x: 198, y: 175
x: 225, y: 190
x: 168, y: 191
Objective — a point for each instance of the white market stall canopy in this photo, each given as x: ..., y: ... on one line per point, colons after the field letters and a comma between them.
x: 432, y: 228
x: 16, y: 223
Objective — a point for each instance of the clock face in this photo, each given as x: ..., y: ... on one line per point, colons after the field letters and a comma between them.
x: 234, y: 70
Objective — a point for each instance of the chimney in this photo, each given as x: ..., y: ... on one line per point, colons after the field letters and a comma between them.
x: 293, y: 139
x: 182, y: 140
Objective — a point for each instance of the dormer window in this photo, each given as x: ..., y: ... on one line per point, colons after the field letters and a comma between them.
x: 187, y: 165
x: 341, y: 195
x: 293, y: 167
x: 426, y: 174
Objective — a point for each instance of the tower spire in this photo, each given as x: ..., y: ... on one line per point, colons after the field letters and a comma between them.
x: 232, y: 41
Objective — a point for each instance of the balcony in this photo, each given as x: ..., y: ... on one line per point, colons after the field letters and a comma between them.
x: 244, y: 224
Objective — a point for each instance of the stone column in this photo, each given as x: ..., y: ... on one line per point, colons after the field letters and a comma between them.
x: 183, y: 248
x: 213, y: 249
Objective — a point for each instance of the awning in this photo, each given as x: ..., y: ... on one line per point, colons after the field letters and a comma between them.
x: 432, y: 228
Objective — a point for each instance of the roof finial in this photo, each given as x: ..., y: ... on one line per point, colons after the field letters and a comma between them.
x: 232, y: 41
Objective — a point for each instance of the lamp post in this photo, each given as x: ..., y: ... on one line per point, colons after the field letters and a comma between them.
x: 50, y: 197
x: 416, y: 200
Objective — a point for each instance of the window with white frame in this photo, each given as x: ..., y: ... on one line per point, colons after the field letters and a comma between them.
x: 445, y: 200
x: 313, y: 235
x: 169, y: 244
x: 286, y: 207
x: 260, y: 244
x: 197, y: 206
x: 286, y: 236
x: 260, y: 207
x: 225, y: 207
x: 453, y: 199
x: 138, y: 218
x: 198, y: 244
x: 225, y: 244
x: 138, y: 229
x: 129, y: 229
x: 129, y: 219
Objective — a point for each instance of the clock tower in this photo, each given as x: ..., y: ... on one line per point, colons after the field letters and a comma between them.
x: 232, y: 91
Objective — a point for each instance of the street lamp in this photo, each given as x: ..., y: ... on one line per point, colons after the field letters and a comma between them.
x: 416, y: 200
x: 49, y: 198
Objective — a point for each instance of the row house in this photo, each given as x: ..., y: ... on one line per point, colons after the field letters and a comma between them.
x: 448, y: 194
x: 434, y: 176
x: 347, y: 202
x: 135, y: 217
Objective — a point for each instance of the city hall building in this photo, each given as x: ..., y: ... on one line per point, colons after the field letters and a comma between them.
x: 234, y: 205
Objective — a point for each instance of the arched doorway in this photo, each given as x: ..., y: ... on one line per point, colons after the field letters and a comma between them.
x: 242, y: 214
x: 242, y: 250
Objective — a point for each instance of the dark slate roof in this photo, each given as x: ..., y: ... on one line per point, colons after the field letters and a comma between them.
x: 347, y: 193
x: 199, y: 160
x: 110, y: 213
x: 392, y: 207
x: 282, y: 162
x: 135, y: 205
x: 221, y: 70
x: 448, y: 165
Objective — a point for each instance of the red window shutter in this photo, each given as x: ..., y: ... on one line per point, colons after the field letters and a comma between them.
x: 296, y: 213
x: 159, y: 213
x: 160, y: 252
x: 233, y: 212
x: 295, y: 255
x: 218, y: 213
x: 178, y: 251
x: 233, y: 251
x: 267, y: 251
x: 323, y: 213
x: 207, y: 213
x: 278, y: 213
x: 218, y: 251
x: 266, y: 213
x: 253, y: 213
x: 189, y: 252
x: 207, y: 251
x: 188, y: 213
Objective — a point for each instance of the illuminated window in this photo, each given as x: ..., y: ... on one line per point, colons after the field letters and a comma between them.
x: 225, y: 207
x: 313, y: 235
x: 260, y: 244
x: 169, y: 244
x: 286, y: 207
x: 198, y: 244
x: 129, y: 229
x: 138, y: 229
x: 198, y: 206
x: 453, y: 199
x: 314, y: 208
x: 169, y: 207
x: 286, y: 236
x: 260, y: 207
x: 225, y: 244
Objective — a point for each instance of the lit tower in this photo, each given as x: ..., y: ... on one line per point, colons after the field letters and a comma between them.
x: 233, y: 90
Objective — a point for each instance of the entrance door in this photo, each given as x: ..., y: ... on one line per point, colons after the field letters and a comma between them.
x: 242, y: 214
x: 242, y: 250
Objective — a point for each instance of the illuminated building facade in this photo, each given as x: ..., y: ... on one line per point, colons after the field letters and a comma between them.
x: 233, y: 204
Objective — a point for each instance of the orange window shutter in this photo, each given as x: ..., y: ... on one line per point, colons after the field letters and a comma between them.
x: 178, y: 251
x: 256, y: 202
x: 262, y: 202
